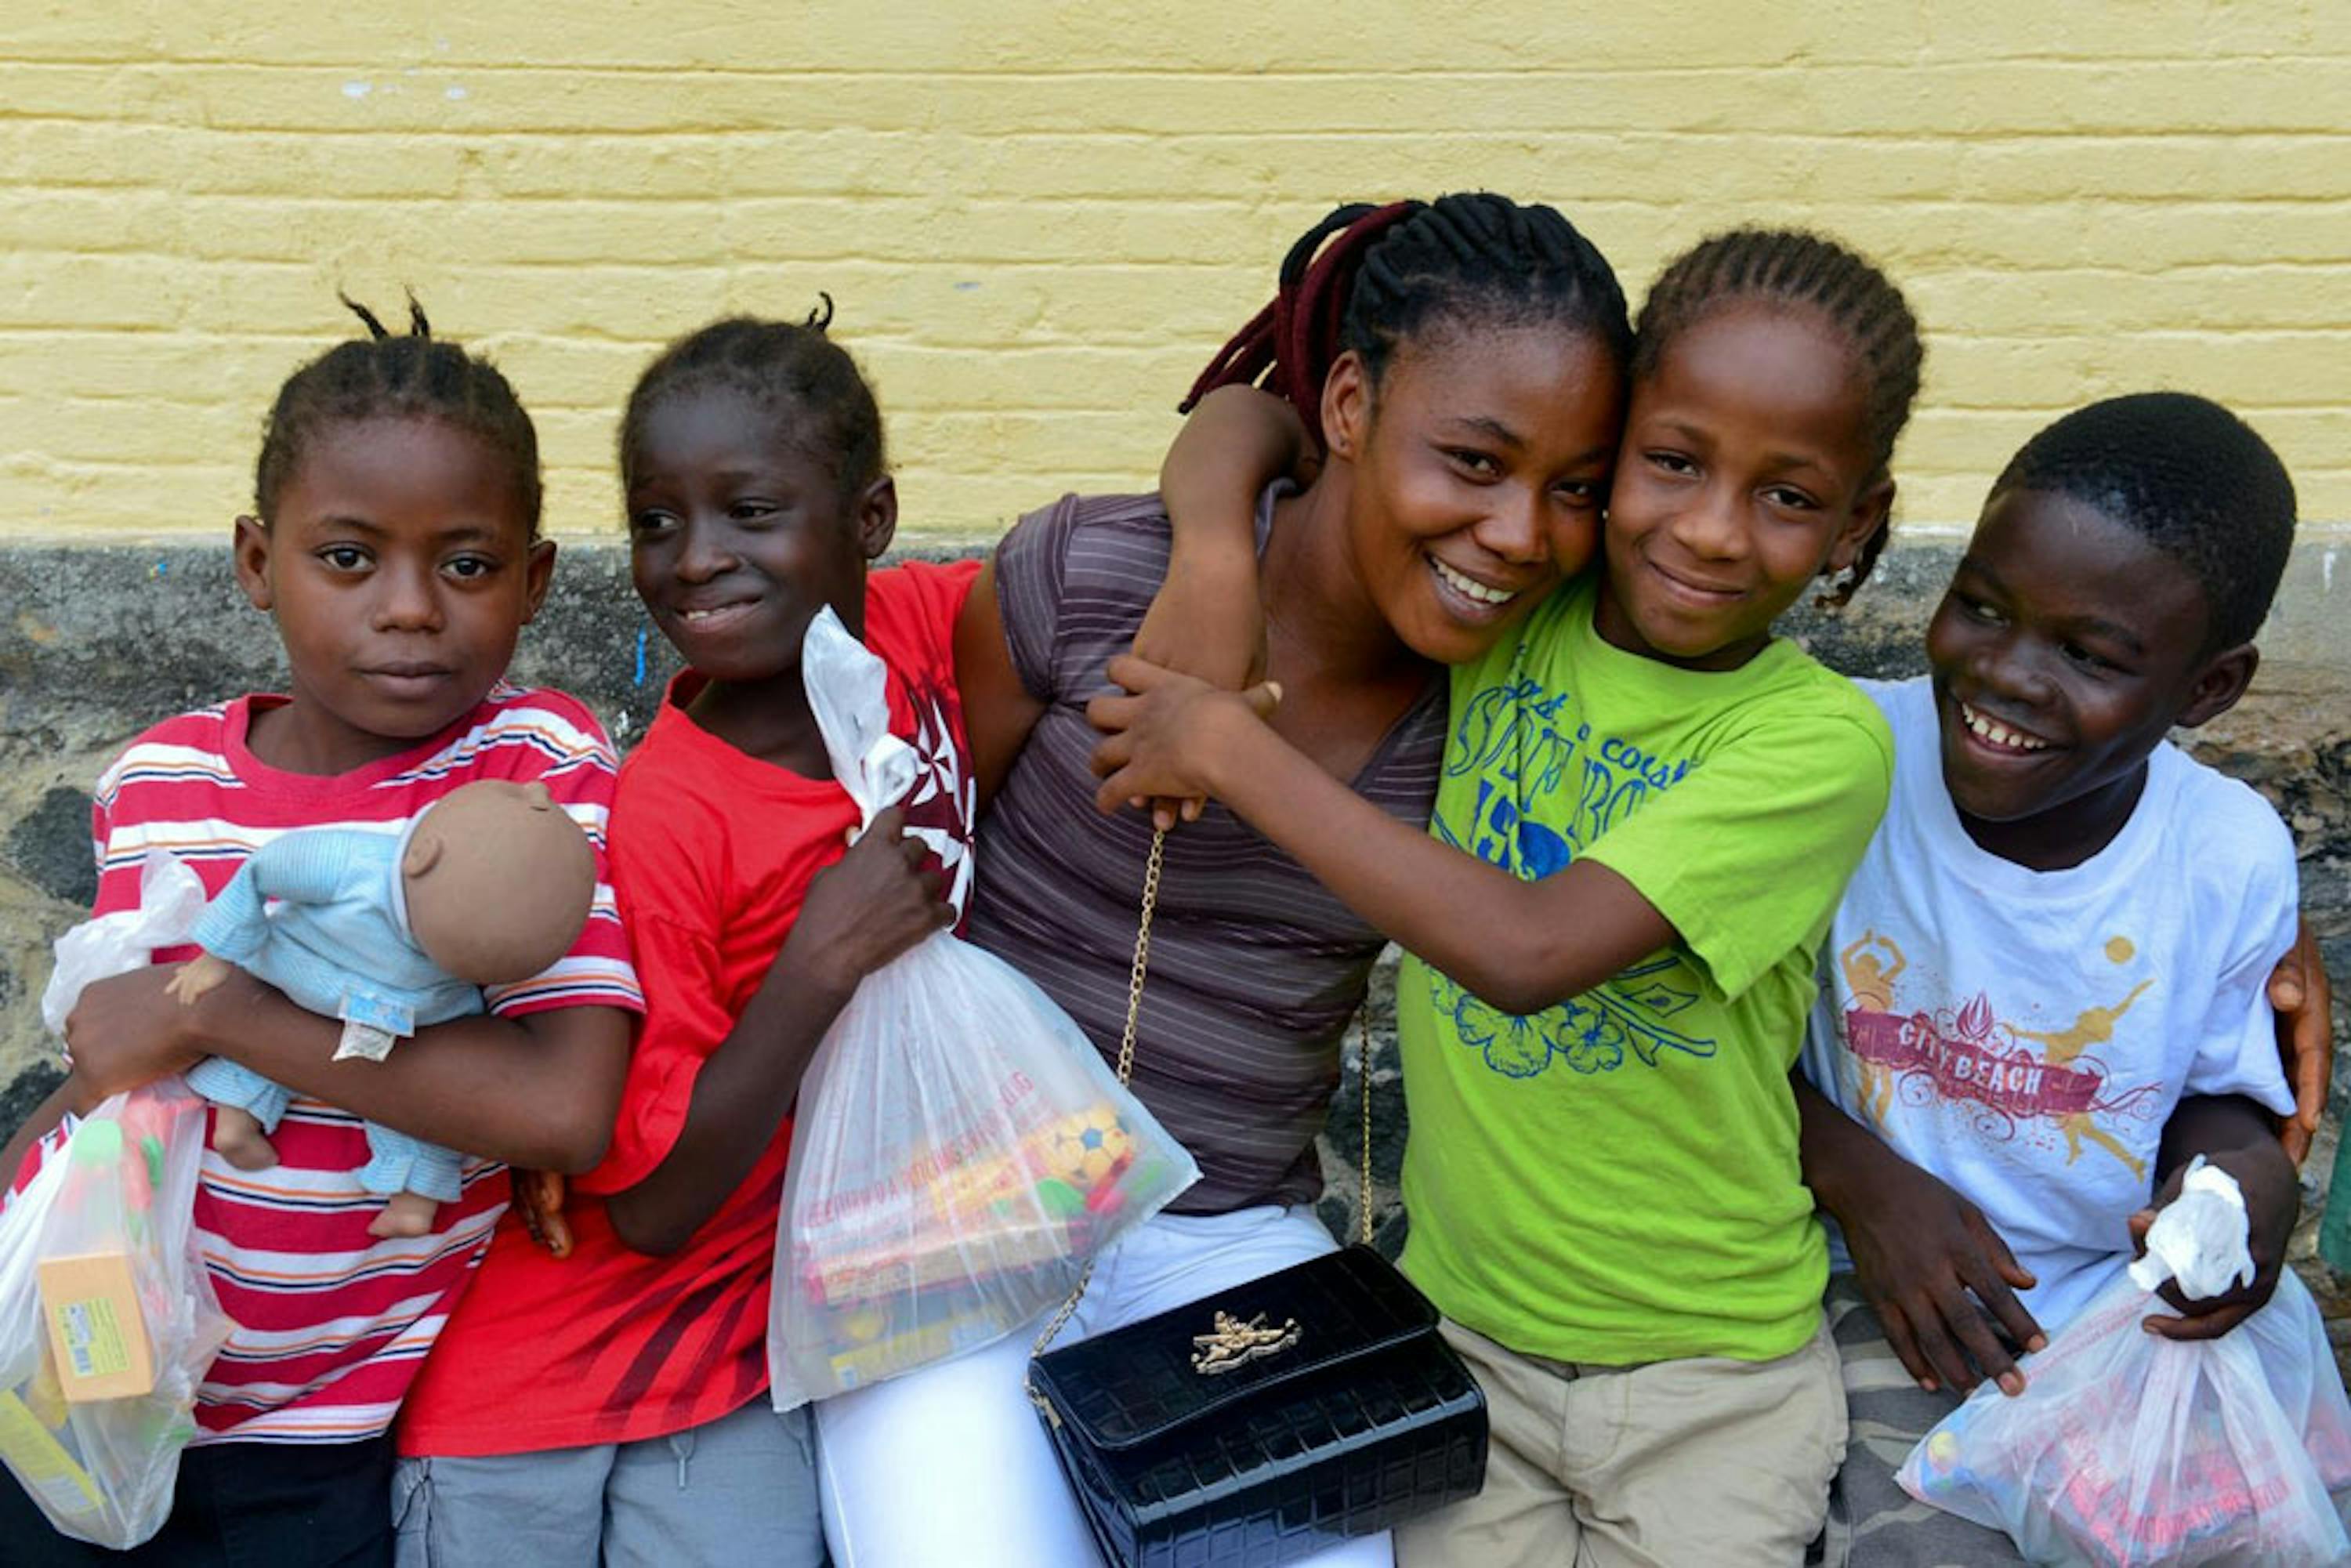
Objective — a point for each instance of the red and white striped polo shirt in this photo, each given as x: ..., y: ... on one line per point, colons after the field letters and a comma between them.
x: 332, y: 1322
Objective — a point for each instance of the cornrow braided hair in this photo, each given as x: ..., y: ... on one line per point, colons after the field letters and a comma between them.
x: 1368, y: 279
x: 788, y: 367
x: 1796, y: 267
x: 409, y: 375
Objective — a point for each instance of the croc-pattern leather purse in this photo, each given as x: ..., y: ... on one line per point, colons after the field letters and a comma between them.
x: 1263, y: 1423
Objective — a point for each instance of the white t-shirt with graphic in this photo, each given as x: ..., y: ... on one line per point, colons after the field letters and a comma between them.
x: 2024, y: 1035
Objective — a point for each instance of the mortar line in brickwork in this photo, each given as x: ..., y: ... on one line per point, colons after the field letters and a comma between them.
x: 1936, y: 140
x: 434, y: 71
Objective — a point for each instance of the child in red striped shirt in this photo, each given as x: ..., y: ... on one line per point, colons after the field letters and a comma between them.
x: 396, y: 547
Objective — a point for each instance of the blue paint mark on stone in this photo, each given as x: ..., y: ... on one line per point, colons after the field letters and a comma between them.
x: 641, y: 655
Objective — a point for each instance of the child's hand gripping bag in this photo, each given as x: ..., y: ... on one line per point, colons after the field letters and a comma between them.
x: 2127, y: 1448
x: 961, y: 1150
x: 108, y: 1320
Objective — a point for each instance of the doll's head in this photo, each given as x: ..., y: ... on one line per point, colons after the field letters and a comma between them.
x: 497, y: 882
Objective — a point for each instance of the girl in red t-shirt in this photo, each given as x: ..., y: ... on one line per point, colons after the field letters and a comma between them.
x: 611, y: 1405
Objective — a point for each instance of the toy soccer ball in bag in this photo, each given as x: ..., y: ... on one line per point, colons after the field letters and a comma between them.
x: 108, y: 1320
x: 961, y: 1150
x: 1080, y: 1162
x: 2132, y: 1450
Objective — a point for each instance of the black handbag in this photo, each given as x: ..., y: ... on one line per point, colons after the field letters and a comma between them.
x: 1264, y: 1423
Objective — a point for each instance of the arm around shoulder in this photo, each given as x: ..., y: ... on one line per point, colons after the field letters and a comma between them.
x: 1522, y: 946
x: 1206, y: 620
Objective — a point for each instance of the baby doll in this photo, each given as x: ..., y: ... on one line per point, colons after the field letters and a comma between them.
x: 390, y: 933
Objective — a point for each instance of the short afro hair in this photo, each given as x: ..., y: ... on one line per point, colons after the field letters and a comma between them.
x: 2187, y: 475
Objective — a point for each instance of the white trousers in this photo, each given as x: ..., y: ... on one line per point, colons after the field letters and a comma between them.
x: 950, y: 1468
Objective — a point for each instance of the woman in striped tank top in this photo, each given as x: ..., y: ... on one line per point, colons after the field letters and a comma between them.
x: 1477, y: 352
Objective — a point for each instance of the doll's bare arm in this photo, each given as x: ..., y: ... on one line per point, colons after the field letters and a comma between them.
x: 197, y: 976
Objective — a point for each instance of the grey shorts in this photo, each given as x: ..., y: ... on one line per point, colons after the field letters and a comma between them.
x: 736, y: 1491
x: 1873, y: 1522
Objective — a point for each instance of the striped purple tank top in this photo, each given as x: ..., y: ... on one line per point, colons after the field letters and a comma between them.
x: 1255, y: 968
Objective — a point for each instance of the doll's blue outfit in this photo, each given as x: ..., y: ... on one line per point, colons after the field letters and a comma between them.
x: 336, y: 940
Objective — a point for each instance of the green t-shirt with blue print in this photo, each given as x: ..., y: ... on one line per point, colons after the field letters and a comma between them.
x: 1615, y: 1179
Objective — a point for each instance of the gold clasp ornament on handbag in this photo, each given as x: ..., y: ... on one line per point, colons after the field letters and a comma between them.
x: 1234, y: 1344
x: 1266, y: 1422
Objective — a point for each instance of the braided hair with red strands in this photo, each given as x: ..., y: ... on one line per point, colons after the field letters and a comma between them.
x: 1368, y: 277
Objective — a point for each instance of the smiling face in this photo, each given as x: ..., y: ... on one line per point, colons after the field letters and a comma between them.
x: 1479, y: 463
x: 1746, y: 472
x: 401, y: 571
x: 737, y: 536
x: 2066, y: 648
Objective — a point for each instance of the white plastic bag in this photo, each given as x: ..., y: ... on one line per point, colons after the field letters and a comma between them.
x: 2129, y: 1449
x: 107, y: 1320
x: 961, y: 1149
x: 171, y: 897
x: 2202, y: 1238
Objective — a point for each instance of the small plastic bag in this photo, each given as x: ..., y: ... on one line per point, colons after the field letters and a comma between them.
x: 2129, y: 1449
x: 171, y: 897
x: 2202, y: 1238
x: 107, y: 1320
x: 961, y: 1150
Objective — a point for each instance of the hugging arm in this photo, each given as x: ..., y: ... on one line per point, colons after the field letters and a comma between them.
x: 2304, y: 999
x: 1522, y: 946
x: 1206, y: 620
x: 1788, y: 804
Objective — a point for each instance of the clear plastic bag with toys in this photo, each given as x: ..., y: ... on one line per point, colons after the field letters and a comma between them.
x: 961, y: 1150
x: 108, y: 1320
x: 2129, y: 1449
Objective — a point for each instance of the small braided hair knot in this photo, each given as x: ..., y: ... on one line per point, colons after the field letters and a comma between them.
x: 388, y: 375
x: 793, y: 369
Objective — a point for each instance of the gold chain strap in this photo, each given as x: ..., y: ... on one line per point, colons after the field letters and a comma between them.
x: 1125, y: 1071
x: 1364, y: 1072
x: 1151, y: 871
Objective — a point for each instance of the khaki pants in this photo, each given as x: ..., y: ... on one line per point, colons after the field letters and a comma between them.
x: 1694, y: 1463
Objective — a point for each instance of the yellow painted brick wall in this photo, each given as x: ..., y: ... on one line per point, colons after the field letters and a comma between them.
x: 1039, y: 216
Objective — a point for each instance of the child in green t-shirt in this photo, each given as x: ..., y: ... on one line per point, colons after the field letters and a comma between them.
x: 1661, y: 803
